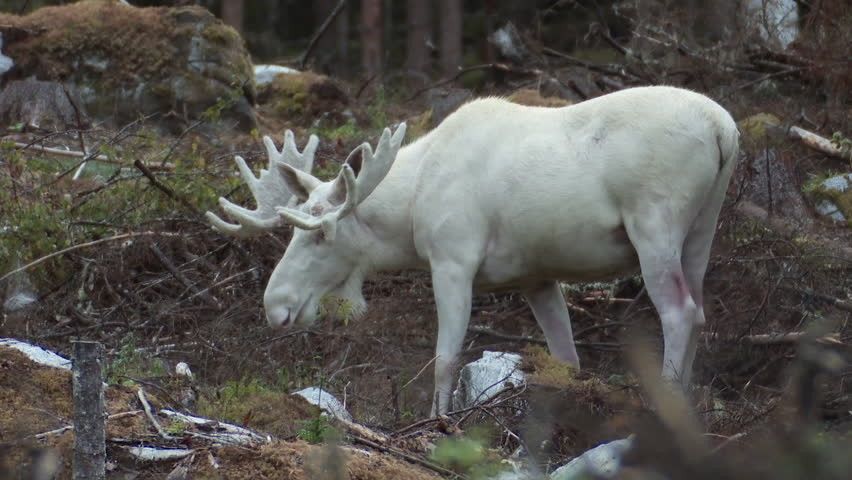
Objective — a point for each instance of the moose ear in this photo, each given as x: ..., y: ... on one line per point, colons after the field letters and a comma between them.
x: 356, y: 160
x: 301, y: 184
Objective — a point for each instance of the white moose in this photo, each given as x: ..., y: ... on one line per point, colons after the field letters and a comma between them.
x: 503, y: 196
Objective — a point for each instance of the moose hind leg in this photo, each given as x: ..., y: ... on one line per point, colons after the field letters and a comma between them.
x: 659, y: 254
x: 551, y: 313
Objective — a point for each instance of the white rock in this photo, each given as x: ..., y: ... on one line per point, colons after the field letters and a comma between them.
x: 6, y: 63
x: 602, y: 461
x: 481, y: 380
x: 265, y: 74
x: 37, y: 354
x: 325, y: 401
x: 182, y: 370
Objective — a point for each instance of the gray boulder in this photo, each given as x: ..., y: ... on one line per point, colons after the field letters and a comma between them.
x: 125, y: 61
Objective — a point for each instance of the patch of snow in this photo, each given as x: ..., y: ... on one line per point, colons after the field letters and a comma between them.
x: 325, y: 401
x: 37, y: 354
x: 829, y: 209
x: 265, y: 74
x: 838, y: 183
x: 153, y: 454
x: 602, y: 461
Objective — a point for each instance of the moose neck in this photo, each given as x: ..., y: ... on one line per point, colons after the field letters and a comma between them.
x: 386, y: 216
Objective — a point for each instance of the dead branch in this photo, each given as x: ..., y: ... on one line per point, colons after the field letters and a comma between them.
x: 67, y: 428
x: 777, y: 338
x: 817, y: 142
x: 85, y: 245
x: 164, y: 260
x: 150, y: 414
x: 319, y: 33
x: 99, y: 158
x: 406, y: 456
x: 163, y: 187
x: 527, y: 339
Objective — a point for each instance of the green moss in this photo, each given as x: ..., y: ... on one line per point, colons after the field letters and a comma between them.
x: 221, y: 34
x: 815, y: 187
x: 755, y: 128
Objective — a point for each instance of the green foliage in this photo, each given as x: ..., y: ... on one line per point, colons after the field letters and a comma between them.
x: 230, y: 401
x: 316, y: 430
x: 468, y: 455
x: 223, y: 103
x: 177, y: 427
x: 377, y: 110
x: 844, y: 144
x: 346, y: 132
x: 130, y: 363
x: 42, y: 213
x: 339, y: 308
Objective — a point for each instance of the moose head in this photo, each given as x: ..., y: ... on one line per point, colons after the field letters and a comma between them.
x: 327, y: 252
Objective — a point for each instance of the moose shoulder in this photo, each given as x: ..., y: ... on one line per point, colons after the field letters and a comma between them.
x: 504, y: 196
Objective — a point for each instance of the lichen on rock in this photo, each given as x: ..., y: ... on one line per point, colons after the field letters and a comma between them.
x: 127, y: 61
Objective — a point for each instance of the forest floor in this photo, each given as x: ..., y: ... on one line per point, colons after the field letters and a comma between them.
x: 777, y: 302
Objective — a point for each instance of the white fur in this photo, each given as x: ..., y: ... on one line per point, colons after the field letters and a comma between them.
x: 504, y: 196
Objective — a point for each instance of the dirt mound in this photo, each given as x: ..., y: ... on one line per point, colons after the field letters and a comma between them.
x: 126, y: 61
x: 39, y: 407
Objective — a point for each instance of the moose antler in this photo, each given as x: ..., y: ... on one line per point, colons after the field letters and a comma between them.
x: 269, y: 189
x: 373, y: 168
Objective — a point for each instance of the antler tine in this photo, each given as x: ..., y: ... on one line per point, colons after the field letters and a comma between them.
x: 269, y: 189
x: 376, y: 165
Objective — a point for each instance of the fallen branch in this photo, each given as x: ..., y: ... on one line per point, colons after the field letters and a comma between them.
x: 67, y: 428
x: 94, y: 158
x: 818, y: 143
x: 411, y: 458
x: 150, y: 414
x: 85, y: 245
x: 527, y: 339
x: 164, y: 260
x: 778, y: 338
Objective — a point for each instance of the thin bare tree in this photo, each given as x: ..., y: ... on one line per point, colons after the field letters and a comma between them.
x: 451, y: 35
x: 371, y: 37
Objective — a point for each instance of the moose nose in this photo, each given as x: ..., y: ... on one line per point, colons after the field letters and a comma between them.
x: 279, y: 317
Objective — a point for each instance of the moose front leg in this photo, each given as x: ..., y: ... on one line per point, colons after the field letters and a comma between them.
x: 453, y: 287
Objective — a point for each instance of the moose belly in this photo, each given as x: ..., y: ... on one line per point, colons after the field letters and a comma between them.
x: 590, y: 253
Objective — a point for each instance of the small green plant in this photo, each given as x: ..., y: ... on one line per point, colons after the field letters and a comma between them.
x: 177, y: 428
x: 843, y: 143
x: 468, y: 455
x: 130, y: 363
x: 345, y: 132
x: 316, y: 430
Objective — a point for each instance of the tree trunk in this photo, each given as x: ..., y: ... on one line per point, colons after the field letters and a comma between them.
x: 89, y: 419
x: 451, y: 35
x: 232, y: 14
x: 419, y: 35
x: 371, y: 37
